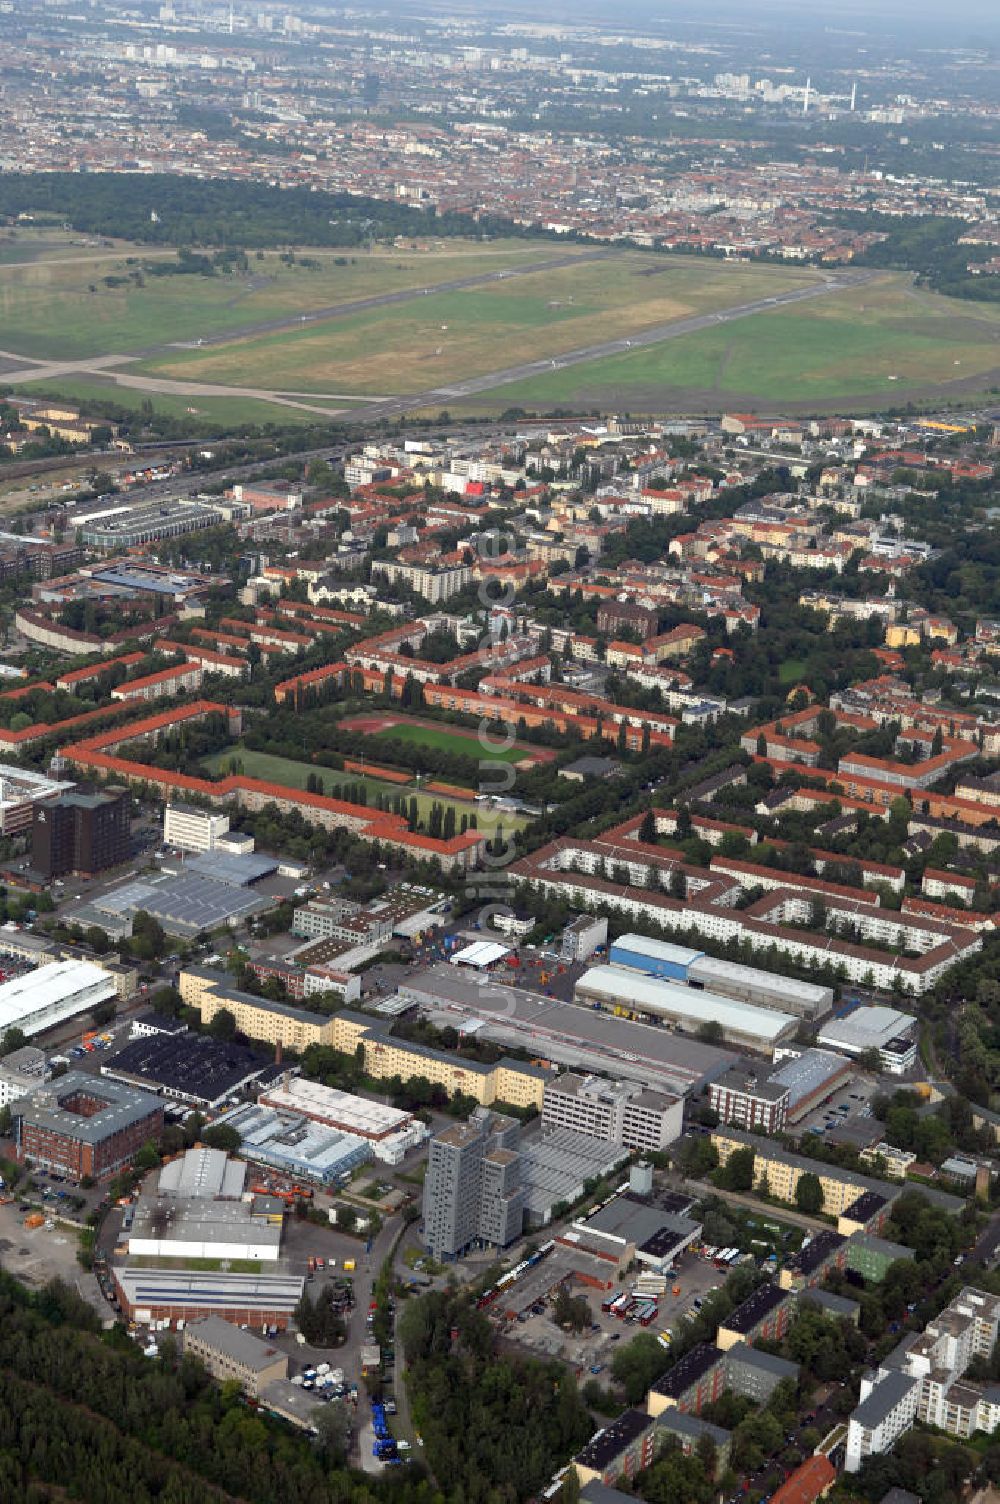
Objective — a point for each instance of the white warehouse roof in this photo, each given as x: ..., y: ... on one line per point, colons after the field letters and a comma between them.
x: 480, y: 953
x: 752, y: 976
x: 52, y: 993
x: 659, y: 950
x: 689, y: 1005
x: 867, y: 1028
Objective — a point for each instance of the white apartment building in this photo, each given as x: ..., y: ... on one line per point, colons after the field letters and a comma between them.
x: 193, y: 829
x: 888, y: 1408
x: 922, y: 1379
x: 435, y: 585
x: 616, y: 1112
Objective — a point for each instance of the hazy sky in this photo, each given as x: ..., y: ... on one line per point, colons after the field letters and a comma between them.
x: 954, y: 20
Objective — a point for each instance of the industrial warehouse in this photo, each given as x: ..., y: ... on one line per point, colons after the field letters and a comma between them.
x: 53, y: 993
x: 198, y: 1211
x: 568, y: 1033
x: 744, y: 984
x: 189, y: 1068
x: 384, y: 1126
x: 295, y: 1145
x: 743, y: 1025
x: 149, y: 1295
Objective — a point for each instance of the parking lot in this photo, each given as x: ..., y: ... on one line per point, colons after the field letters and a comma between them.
x: 37, y: 1255
x: 851, y: 1103
x: 595, y: 1348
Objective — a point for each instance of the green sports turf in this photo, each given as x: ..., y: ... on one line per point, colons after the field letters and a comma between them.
x: 448, y: 741
x: 284, y: 770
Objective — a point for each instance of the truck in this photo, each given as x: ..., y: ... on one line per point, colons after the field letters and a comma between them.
x: 348, y: 1266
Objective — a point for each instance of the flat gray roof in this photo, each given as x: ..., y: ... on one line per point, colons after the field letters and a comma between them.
x: 568, y: 1033
x: 234, y: 871
x: 156, y: 1287
x: 243, y: 1347
x: 887, y: 1394
x: 183, y: 905
x: 808, y: 1073
x: 121, y: 1106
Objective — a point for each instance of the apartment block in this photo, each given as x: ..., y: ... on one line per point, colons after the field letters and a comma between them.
x: 748, y: 1100
x: 784, y: 1170
x: 618, y: 1112
x: 472, y: 1189
x: 923, y: 1379
x: 887, y: 1410
x: 763, y: 1316
x: 623, y: 1448
x: 707, y: 1371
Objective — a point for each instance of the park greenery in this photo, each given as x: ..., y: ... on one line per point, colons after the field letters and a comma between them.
x: 491, y: 1424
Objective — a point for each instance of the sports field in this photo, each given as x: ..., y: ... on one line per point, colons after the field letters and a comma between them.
x: 284, y: 770
x: 879, y: 344
x: 447, y: 336
x: 392, y: 727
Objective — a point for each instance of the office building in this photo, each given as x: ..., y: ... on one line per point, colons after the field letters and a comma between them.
x: 812, y: 1077
x: 749, y: 1099
x: 583, y: 936
x: 618, y: 1112
x: 81, y: 1127
x: 230, y: 1354
x: 189, y: 828
x: 80, y: 833
x: 472, y: 1189
x: 21, y: 791
x: 14, y: 1084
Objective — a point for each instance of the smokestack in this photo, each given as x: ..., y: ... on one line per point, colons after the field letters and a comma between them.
x: 854, y: 96
x: 805, y: 101
x: 277, y: 1053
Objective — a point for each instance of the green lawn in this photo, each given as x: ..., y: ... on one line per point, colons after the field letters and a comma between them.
x: 207, y: 1266
x: 450, y: 335
x: 295, y: 775
x: 58, y: 304
x: 791, y: 670
x: 225, y: 412
x: 447, y: 741
x: 878, y: 342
